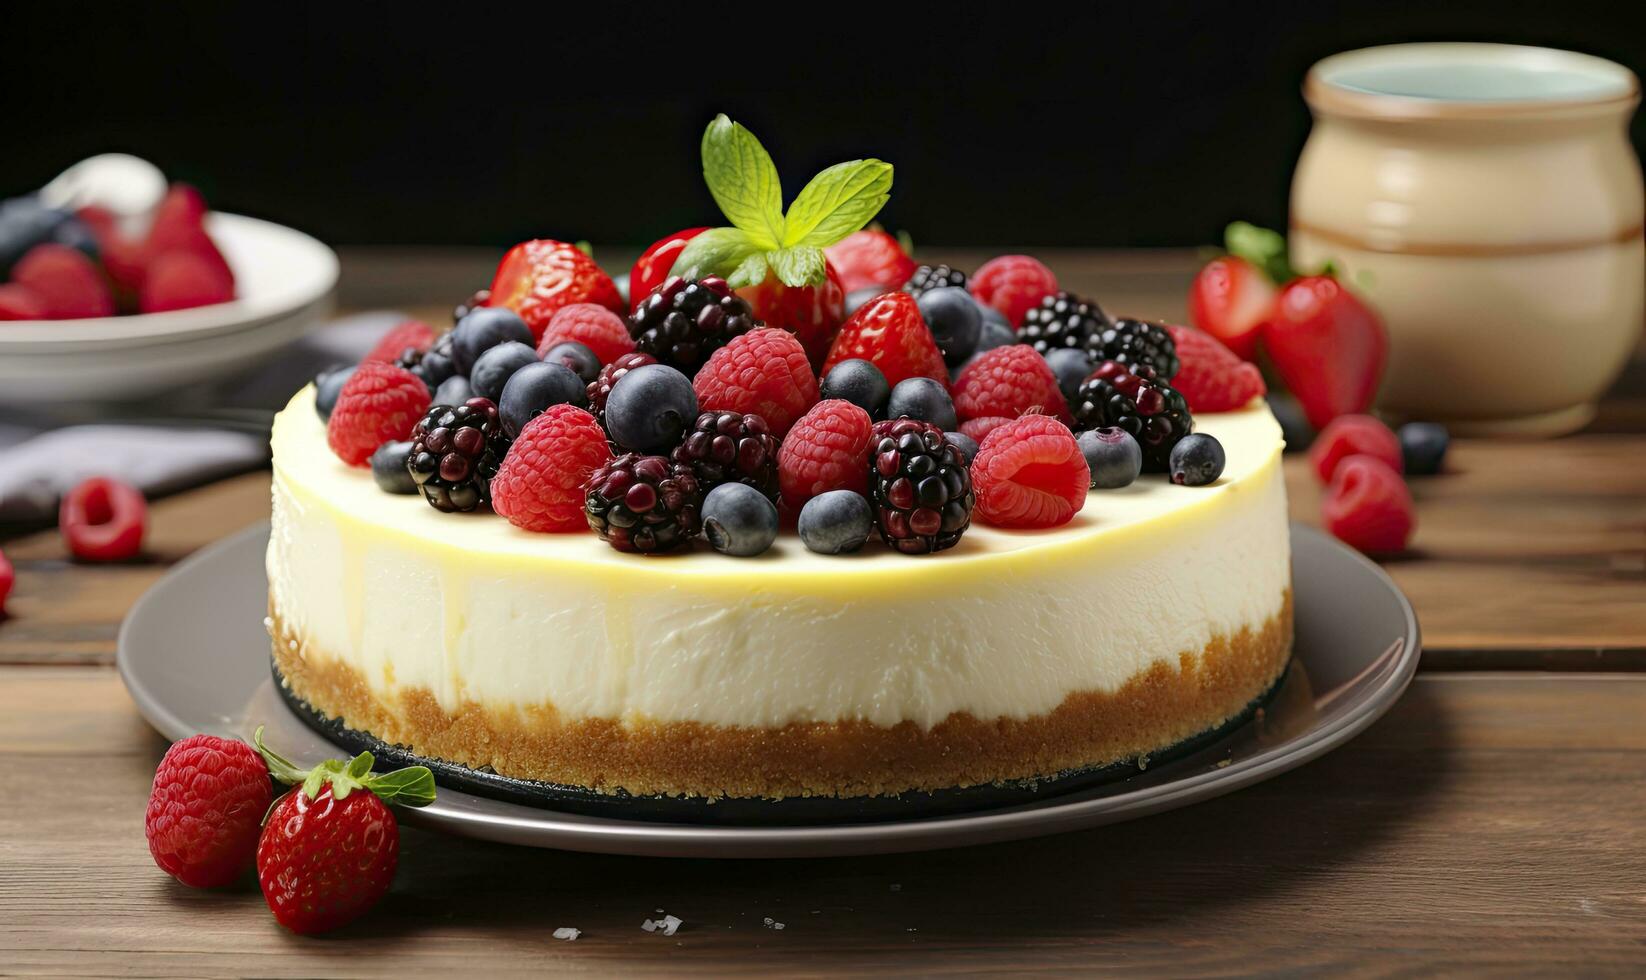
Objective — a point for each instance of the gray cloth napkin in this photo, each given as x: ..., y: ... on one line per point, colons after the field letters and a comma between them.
x: 161, y: 447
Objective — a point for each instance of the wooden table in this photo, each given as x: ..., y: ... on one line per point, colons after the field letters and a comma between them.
x: 1494, y: 820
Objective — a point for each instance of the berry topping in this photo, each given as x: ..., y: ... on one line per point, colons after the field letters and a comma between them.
x: 739, y: 520
x: 1211, y: 378
x: 827, y: 449
x: 1348, y: 435
x: 600, y: 388
x: 860, y: 383
x: 1327, y: 346
x: 388, y: 468
x: 1368, y: 506
x: 1138, y: 401
x: 183, y: 280
x: 1061, y: 320
x: 683, y: 321
x: 933, y: 277
x: 725, y: 447
x: 493, y: 369
x: 1229, y: 299
x: 534, y: 388
x: 762, y: 373
x: 954, y: 320
x: 206, y: 810
x: 889, y: 333
x: 650, y: 408
x: 103, y: 519
x: 484, y: 329
x: 328, y: 385
x: 539, y: 487
x: 1008, y: 381
x: 643, y: 503
x: 573, y: 355
x: 68, y: 285
x: 1112, y: 455
x: 592, y: 325
x: 539, y: 278
x: 1071, y: 367
x: 1197, y: 460
x: 1013, y: 284
x: 455, y: 452
x: 924, y: 399
x: 1423, y: 447
x: 920, y: 488
x: 1030, y: 472
x: 1136, y: 343
x: 378, y: 403
x: 870, y: 259
x: 434, y: 364
x: 978, y: 429
x: 654, y: 264
x: 836, y: 523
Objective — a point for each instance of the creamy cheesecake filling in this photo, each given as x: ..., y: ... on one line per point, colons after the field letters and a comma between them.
x: 470, y: 610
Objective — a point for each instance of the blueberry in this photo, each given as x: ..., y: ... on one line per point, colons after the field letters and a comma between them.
x: 739, y: 520
x: 836, y: 522
x: 860, y: 383
x: 436, y: 367
x: 534, y: 388
x: 24, y: 223
x: 388, y: 468
x: 1197, y: 460
x: 997, y: 319
x: 1423, y: 447
x: 963, y: 442
x: 1071, y: 367
x: 497, y: 365
x: 483, y: 329
x: 1113, y: 456
x: 955, y: 321
x: 857, y: 297
x: 455, y: 391
x: 76, y: 235
x: 650, y: 407
x: 328, y: 384
x: 1294, y: 426
x: 576, y: 356
x: 924, y: 399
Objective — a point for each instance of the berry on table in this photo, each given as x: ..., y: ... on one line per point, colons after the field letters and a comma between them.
x: 1348, y: 435
x: 1136, y: 343
x: 328, y: 384
x: 1030, y: 473
x: 493, y: 369
x: 539, y: 487
x: 578, y: 357
x: 827, y: 449
x: 413, y: 334
x: 1113, y: 457
x: 539, y: 278
x: 1294, y: 425
x: 727, y: 447
x: 1008, y: 382
x: 1196, y: 461
x: 592, y: 325
x: 650, y: 408
x: 764, y: 372
x: 739, y: 520
x: 103, y: 519
x: 1210, y: 377
x: 388, y: 468
x: 379, y: 402
x: 600, y: 388
x: 684, y: 321
x: 836, y: 522
x: 963, y: 442
x: 643, y: 504
x: 8, y: 578
x: 1137, y: 400
x: 455, y: 453
x: 870, y: 259
x: 1061, y: 319
x: 1013, y: 284
x: 484, y: 329
x: 1423, y: 447
x: 920, y: 487
x: 206, y: 810
x: 933, y: 277
x: 889, y: 333
x: 954, y: 320
x: 1368, y: 506
x: 859, y: 382
x: 1328, y: 347
x: 924, y: 399
x: 1071, y: 366
x: 68, y: 284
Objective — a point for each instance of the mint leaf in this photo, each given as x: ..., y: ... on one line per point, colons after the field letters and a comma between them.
x: 716, y: 252
x: 743, y: 180
x: 837, y: 202
x: 801, y: 265
x: 412, y: 786
x: 1262, y: 247
x: 750, y: 272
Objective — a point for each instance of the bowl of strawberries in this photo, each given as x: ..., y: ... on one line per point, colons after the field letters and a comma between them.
x: 115, y: 285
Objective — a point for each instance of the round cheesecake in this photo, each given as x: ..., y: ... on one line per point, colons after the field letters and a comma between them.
x: 1159, y: 613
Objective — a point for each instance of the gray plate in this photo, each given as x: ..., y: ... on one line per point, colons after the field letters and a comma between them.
x: 194, y: 655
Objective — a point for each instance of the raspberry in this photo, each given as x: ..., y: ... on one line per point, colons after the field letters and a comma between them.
x: 182, y: 280
x: 540, y: 485
x: 600, y: 388
x: 591, y: 325
x: 979, y: 429
x: 1368, y: 506
x: 380, y: 402
x: 889, y: 333
x: 1348, y: 435
x: 1211, y: 378
x: 1030, y: 472
x: 67, y: 283
x: 1013, y: 284
x: 407, y: 334
x: 1008, y: 381
x: 764, y: 372
x: 103, y: 520
x: 8, y: 577
x: 206, y: 810
x: 828, y: 449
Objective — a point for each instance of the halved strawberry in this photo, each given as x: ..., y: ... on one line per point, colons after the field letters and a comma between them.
x: 1229, y: 299
x: 870, y: 257
x: 538, y: 277
x: 654, y: 263
x: 888, y: 332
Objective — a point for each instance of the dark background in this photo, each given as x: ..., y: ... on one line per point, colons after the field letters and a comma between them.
x: 1132, y: 123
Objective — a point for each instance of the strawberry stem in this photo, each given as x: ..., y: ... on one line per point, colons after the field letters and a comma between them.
x: 411, y: 786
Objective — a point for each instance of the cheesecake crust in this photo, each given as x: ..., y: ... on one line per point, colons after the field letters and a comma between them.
x: 1160, y: 707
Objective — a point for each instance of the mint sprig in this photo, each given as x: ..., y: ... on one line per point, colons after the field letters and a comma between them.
x: 744, y: 182
x: 411, y: 786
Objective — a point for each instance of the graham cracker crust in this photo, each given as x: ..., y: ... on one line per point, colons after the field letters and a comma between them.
x: 1159, y: 708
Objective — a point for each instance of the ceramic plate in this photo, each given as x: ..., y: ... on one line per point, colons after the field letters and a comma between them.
x: 194, y: 655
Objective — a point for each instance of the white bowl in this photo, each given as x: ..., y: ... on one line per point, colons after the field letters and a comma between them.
x: 283, y: 282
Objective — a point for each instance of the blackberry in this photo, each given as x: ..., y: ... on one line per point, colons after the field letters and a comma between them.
x: 600, y: 388
x: 479, y: 298
x: 1136, y: 342
x: 455, y: 452
x: 725, y: 447
x: 683, y: 321
x: 1139, y: 401
x: 1062, y: 320
x: 933, y: 277
x: 643, y: 503
x: 434, y: 365
x: 920, y: 488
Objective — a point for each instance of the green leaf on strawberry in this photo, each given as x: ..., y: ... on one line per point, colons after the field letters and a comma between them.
x: 411, y: 786
x: 1262, y: 247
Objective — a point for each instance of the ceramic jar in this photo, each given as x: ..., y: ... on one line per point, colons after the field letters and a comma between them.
x: 1486, y: 200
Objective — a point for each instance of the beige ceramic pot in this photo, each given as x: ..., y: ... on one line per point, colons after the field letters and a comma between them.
x: 1486, y: 200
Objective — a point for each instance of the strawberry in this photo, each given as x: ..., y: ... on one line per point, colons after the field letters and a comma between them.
x: 812, y: 313
x: 889, y: 333
x: 180, y: 226
x: 1327, y: 345
x: 123, y: 258
x: 1211, y: 378
x: 870, y: 258
x: 330, y: 846
x: 8, y: 577
x: 537, y: 278
x: 654, y: 263
x: 1229, y: 299
x: 183, y: 280
x: 67, y: 283
x: 19, y: 302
